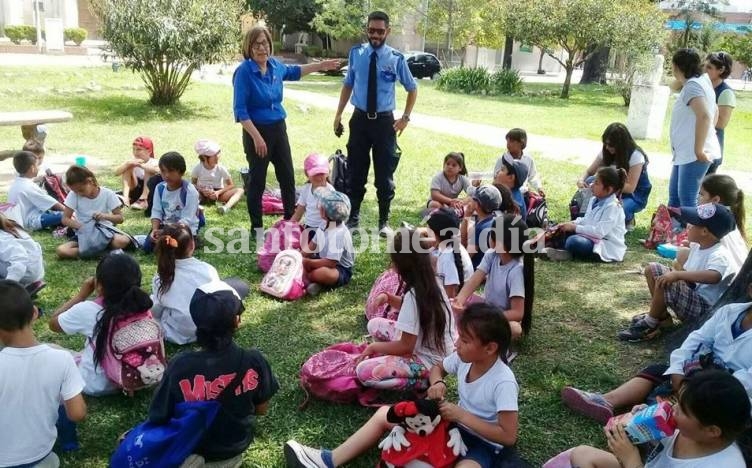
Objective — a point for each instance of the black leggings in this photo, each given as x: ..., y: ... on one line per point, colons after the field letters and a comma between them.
x: 278, y: 153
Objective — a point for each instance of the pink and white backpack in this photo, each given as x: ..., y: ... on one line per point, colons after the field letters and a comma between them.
x: 271, y: 203
x: 285, y: 278
x: 135, y: 357
x: 283, y: 235
x: 388, y: 282
x: 330, y: 375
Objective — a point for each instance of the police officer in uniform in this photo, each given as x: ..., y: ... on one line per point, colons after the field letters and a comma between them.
x: 374, y: 69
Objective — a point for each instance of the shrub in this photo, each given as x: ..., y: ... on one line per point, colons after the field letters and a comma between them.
x: 165, y: 41
x: 505, y: 82
x: 18, y: 33
x: 77, y: 35
x: 277, y: 45
x: 312, y: 51
x: 464, y: 80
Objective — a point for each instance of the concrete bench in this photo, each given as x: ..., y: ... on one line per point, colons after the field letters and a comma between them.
x: 29, y: 121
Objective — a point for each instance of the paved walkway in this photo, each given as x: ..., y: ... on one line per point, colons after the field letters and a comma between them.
x: 574, y: 150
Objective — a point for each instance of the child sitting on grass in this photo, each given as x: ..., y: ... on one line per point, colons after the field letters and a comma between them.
x: 20, y: 255
x: 513, y: 174
x: 36, y: 380
x: 175, y: 200
x: 713, y: 410
x: 475, y: 225
x: 724, y: 341
x: 94, y: 206
x: 316, y: 169
x: 692, y: 292
x: 329, y: 259
x: 204, y: 375
x: 599, y: 235
x: 506, y: 276
x: 136, y: 171
x: 487, y: 413
x: 516, y: 144
x: 447, y: 185
x: 453, y: 264
x: 38, y: 210
x: 214, y: 182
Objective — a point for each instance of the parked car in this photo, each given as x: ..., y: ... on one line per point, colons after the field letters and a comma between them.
x: 421, y: 65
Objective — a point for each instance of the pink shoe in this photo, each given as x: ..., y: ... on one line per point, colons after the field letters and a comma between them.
x: 591, y: 405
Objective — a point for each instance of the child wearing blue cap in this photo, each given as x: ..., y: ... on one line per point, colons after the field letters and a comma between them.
x: 707, y: 273
x: 330, y: 256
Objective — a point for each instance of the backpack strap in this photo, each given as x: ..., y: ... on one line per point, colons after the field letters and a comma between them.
x: 183, y: 190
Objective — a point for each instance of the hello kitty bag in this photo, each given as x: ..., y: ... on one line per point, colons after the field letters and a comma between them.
x: 135, y: 357
x: 285, y: 277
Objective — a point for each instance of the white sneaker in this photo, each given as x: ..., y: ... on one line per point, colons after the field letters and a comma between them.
x: 222, y: 210
x: 300, y: 456
x: 386, y: 231
x: 558, y: 255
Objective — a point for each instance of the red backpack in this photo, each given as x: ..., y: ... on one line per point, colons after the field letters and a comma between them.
x: 662, y: 230
x: 135, y: 357
x: 54, y: 186
x: 330, y: 375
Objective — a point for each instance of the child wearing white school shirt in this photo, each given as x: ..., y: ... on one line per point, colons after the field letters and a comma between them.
x: 20, y: 255
x: 35, y: 380
x: 212, y: 180
x: 37, y: 210
x: 316, y: 168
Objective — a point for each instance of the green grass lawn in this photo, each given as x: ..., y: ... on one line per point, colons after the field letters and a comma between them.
x: 578, y: 307
x: 585, y: 114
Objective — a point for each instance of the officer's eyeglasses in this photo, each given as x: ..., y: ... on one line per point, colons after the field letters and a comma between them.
x: 376, y: 31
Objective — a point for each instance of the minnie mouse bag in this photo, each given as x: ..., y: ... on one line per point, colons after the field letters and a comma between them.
x: 285, y: 277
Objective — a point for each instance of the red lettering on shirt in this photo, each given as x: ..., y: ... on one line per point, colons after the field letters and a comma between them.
x: 215, y: 387
x: 195, y: 393
x: 250, y: 381
x: 202, y: 390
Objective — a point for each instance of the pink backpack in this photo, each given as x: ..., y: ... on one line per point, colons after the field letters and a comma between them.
x: 135, y: 358
x: 662, y: 230
x: 283, y: 234
x: 330, y: 375
x: 389, y: 282
x: 285, y: 278
x: 271, y: 203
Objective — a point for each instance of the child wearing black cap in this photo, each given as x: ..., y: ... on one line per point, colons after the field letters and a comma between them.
x: 513, y: 174
x: 453, y: 264
x: 202, y: 375
x: 707, y: 273
x: 476, y: 224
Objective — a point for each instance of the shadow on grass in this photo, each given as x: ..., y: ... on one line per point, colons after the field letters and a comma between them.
x: 125, y: 109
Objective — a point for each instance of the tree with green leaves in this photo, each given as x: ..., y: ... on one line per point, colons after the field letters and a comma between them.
x: 457, y: 23
x: 739, y: 46
x: 573, y: 26
x: 345, y: 19
x: 691, y: 11
x: 166, y: 40
x: 294, y: 15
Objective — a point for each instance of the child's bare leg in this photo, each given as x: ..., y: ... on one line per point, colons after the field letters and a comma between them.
x: 119, y: 241
x: 145, y: 193
x: 129, y: 180
x: 324, y: 275
x: 632, y: 392
x: 231, y: 197
x: 433, y: 205
x: 658, y: 305
x: 67, y: 250
x: 650, y: 279
x: 516, y: 330
x: 363, y: 439
x: 590, y: 457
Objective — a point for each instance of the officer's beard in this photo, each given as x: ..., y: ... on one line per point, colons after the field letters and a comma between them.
x: 376, y: 42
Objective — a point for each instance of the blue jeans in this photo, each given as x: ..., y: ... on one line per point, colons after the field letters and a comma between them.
x: 51, y: 219
x: 631, y: 206
x: 684, y: 184
x: 580, y: 247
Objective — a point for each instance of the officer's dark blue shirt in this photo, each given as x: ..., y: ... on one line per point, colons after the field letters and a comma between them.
x: 390, y: 67
x: 257, y: 97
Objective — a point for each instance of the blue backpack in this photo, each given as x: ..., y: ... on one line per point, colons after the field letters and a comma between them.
x: 166, y: 445
x: 183, y: 197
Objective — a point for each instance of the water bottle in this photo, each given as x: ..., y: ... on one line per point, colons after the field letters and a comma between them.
x: 67, y: 436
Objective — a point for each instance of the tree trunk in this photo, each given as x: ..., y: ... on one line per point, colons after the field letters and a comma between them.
x: 508, y: 49
x: 568, y: 80
x: 595, y: 68
x: 541, y: 71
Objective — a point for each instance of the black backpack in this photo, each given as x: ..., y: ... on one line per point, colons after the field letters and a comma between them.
x: 537, y: 210
x: 339, y: 171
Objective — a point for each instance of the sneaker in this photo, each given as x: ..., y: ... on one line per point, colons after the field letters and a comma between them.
x: 222, y: 209
x: 591, y: 405
x: 313, y: 289
x: 558, y: 255
x: 385, y: 230
x: 139, y: 205
x: 639, y: 331
x: 630, y: 225
x: 34, y: 288
x: 668, y: 322
x: 406, y: 225
x: 301, y: 456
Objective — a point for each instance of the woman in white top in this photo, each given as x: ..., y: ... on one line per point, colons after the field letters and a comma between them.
x: 178, y: 276
x: 718, y: 67
x: 20, y: 255
x: 694, y: 144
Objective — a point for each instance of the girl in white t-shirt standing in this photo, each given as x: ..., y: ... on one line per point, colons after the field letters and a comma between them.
x: 95, y: 209
x: 178, y: 276
x: 486, y: 413
x: 316, y: 168
x: 212, y: 180
x: 117, y: 285
x: 694, y: 144
x: 424, y: 332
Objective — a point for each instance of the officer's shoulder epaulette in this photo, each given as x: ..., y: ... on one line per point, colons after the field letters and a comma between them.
x: 398, y: 53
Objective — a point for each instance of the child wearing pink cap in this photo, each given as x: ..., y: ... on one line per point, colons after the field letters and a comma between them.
x: 212, y: 180
x: 135, y: 171
x: 316, y: 168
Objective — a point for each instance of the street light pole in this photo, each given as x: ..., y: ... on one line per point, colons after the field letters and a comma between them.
x: 38, y: 23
